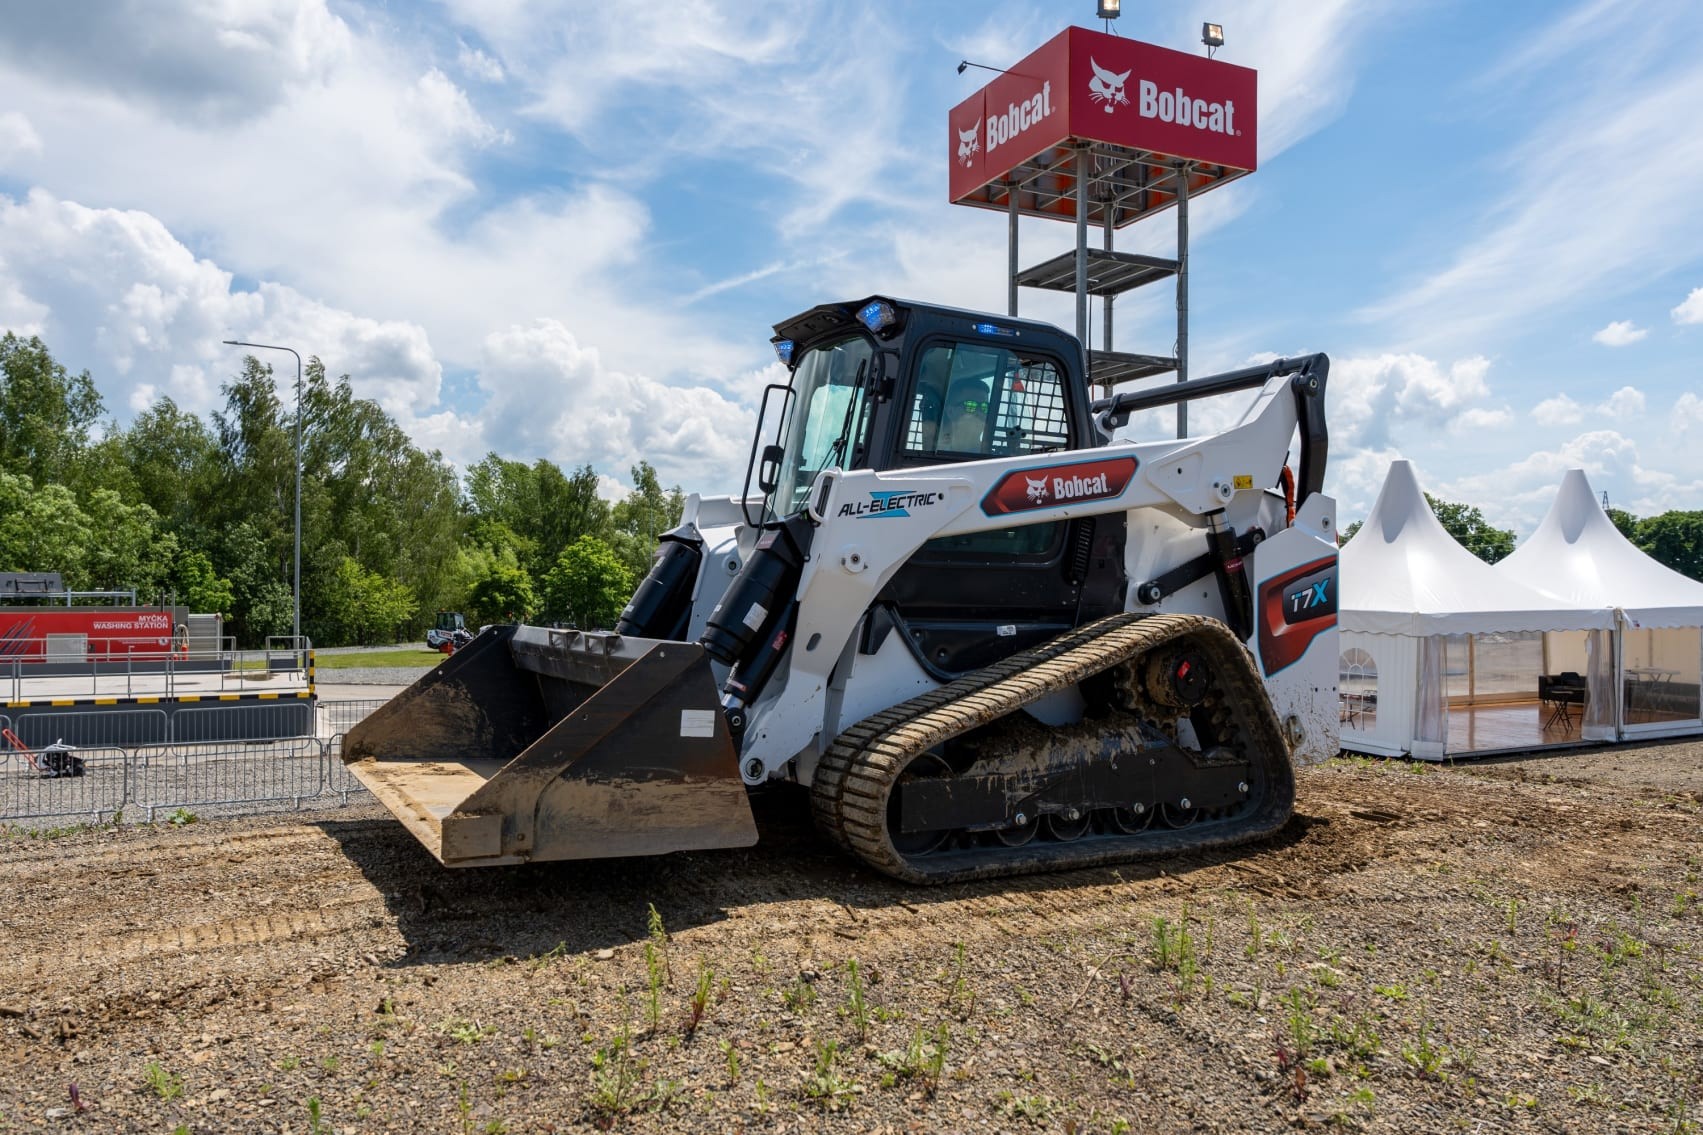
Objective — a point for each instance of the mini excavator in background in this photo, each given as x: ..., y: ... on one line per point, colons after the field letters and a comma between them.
x: 986, y: 637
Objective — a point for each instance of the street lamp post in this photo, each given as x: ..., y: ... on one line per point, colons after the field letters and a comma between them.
x: 296, y: 619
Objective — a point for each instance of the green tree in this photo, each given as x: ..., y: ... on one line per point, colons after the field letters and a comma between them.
x: 503, y: 595
x: 363, y: 606
x: 535, y: 508
x: 571, y: 509
x: 1625, y: 522
x: 646, y: 513
x: 173, y: 461
x: 255, y: 473
x: 261, y: 601
x: 42, y: 529
x: 1674, y: 538
x: 195, y: 584
x: 128, y: 550
x: 1468, y: 526
x: 375, y: 495
x: 45, y: 411
x: 588, y: 586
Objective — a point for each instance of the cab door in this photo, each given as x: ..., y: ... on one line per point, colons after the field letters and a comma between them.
x: 963, y: 602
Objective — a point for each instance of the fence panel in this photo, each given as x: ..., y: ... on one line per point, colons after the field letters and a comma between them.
x: 91, y: 783
x: 114, y: 728
x: 291, y: 759
x: 228, y: 773
x: 336, y: 717
x: 339, y: 782
x: 249, y: 721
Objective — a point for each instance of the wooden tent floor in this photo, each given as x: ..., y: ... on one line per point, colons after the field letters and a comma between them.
x: 1508, y: 726
x: 1515, y: 725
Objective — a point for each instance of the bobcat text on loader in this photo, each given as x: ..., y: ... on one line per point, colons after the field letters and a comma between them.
x: 987, y: 638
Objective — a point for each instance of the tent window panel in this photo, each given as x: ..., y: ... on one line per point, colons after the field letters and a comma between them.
x: 1357, y: 689
x: 1493, y: 667
x: 1662, y: 669
x: 1506, y: 665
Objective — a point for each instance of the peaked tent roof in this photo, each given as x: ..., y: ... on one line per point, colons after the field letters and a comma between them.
x: 1403, y: 573
x: 1577, y: 554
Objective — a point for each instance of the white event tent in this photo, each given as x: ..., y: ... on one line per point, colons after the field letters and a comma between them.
x: 1577, y: 555
x: 1426, y: 626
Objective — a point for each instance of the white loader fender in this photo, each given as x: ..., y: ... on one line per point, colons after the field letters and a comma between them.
x: 1295, y: 639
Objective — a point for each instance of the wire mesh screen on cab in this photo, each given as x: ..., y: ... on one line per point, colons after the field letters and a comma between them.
x: 985, y: 401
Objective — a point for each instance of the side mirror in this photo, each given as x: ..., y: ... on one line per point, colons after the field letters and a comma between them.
x: 769, y: 469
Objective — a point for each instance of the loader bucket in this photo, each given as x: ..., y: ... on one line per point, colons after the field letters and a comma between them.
x: 533, y: 744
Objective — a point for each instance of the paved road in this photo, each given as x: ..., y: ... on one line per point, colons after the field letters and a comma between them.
x: 357, y: 691
x: 158, y: 684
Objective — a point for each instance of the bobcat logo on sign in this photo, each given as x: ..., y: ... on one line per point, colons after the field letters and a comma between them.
x: 1107, y: 86
x: 1037, y: 488
x: 969, y: 141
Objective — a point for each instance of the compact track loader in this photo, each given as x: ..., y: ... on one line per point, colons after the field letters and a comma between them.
x: 988, y: 638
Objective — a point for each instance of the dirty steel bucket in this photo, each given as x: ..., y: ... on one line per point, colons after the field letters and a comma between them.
x: 533, y: 744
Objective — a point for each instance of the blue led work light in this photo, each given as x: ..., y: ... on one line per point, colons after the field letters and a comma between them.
x: 877, y: 315
x: 783, y: 350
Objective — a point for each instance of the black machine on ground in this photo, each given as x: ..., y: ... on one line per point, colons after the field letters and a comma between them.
x: 449, y: 633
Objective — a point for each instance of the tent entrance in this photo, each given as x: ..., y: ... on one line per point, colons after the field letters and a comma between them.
x: 1515, y: 691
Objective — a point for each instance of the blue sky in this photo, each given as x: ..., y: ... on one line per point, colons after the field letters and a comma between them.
x: 563, y: 230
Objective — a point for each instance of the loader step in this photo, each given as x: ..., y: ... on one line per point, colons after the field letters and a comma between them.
x: 1241, y: 789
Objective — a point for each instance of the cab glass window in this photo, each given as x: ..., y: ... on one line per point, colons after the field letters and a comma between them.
x: 980, y: 400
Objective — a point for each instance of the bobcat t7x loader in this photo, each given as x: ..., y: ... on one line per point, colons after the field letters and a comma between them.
x: 986, y: 637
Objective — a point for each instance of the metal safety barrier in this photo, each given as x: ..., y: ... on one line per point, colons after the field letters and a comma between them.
x: 293, y: 761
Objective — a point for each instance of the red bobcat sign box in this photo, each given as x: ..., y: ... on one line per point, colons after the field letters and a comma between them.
x: 1124, y: 96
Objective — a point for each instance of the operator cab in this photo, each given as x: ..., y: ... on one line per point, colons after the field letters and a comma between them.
x: 890, y: 384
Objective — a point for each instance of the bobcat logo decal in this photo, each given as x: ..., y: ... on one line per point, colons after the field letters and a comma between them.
x: 1037, y: 488
x: 968, y: 143
x: 1107, y: 86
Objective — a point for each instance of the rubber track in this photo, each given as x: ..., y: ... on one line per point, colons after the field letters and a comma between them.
x: 855, y: 777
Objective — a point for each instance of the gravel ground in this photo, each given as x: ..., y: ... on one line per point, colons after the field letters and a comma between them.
x: 370, y: 675
x: 1512, y: 946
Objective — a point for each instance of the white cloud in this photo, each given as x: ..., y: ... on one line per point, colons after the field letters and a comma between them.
x: 112, y: 290
x: 1354, y: 477
x: 550, y: 394
x: 1690, y: 309
x: 479, y: 65
x: 1517, y: 495
x: 1562, y: 410
x: 1558, y: 411
x: 1620, y: 333
x: 1479, y: 420
x: 200, y: 62
x: 1370, y: 394
x: 440, y: 107
x: 1623, y: 403
x: 1687, y: 413
x: 147, y: 317
x: 17, y: 137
